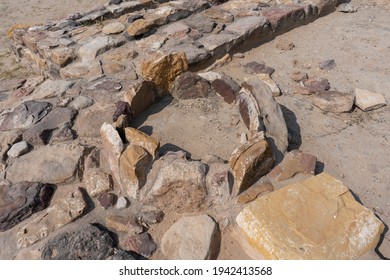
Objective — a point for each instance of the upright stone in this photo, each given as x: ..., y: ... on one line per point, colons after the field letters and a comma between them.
x: 250, y: 162
x: 136, y: 137
x: 112, y: 147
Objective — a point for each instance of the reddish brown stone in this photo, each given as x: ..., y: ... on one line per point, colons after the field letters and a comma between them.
x: 225, y: 90
x: 283, y: 15
x: 106, y: 200
x: 141, y: 244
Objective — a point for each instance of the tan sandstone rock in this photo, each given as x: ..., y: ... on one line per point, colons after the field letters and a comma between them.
x: 135, y: 162
x: 141, y: 95
x: 250, y: 162
x: 163, y: 69
x: 313, y: 219
x: 136, y: 137
x: 63, y: 212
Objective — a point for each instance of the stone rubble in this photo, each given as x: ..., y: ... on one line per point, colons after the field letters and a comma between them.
x: 75, y: 128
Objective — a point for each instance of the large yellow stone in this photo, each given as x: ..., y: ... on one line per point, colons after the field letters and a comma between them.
x: 163, y: 69
x: 138, y: 138
x: 313, y: 219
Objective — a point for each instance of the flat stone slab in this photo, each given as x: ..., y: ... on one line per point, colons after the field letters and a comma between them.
x: 367, y: 100
x: 50, y: 164
x: 313, y: 219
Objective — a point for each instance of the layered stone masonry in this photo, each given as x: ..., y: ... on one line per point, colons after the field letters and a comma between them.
x: 98, y: 42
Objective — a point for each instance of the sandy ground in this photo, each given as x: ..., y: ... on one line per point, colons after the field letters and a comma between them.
x: 353, y: 147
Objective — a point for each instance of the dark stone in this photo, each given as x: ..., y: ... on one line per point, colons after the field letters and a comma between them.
x: 122, y: 108
x: 314, y: 85
x: 115, y: 2
x: 150, y: 216
x: 133, y: 18
x: 227, y: 88
x: 25, y: 115
x: 191, y: 86
x: 141, y: 244
x: 243, y: 108
x: 90, y: 242
x: 21, y: 200
x: 121, y: 256
x: 258, y: 68
x: 201, y: 23
x: 328, y: 64
x: 106, y: 200
x: 40, y: 133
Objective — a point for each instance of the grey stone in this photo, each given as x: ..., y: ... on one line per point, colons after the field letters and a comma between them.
x: 122, y: 203
x: 218, y: 44
x: 150, y: 215
x: 51, y: 164
x: 191, y: 238
x: 78, y: 70
x: 194, y: 54
x: 89, y: 121
x: 219, y: 183
x: 346, y: 8
x: 25, y: 115
x: 18, y: 149
x: 18, y: 202
x: 40, y: 133
x: 8, y: 85
x: 97, y: 46
x: 328, y: 64
x: 81, y: 102
x: 51, y: 89
x: 334, y: 101
x: 271, y: 114
x: 201, y: 23
x: 90, y: 242
x: 247, y: 26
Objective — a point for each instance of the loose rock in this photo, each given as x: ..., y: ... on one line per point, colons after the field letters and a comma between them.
x: 141, y: 244
x: 191, y: 238
x: 367, y: 100
x: 18, y: 149
x: 113, y: 28
x: 190, y: 86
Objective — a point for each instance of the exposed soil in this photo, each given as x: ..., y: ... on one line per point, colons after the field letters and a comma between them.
x: 353, y: 147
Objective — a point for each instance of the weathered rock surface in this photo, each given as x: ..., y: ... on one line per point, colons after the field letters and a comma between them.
x: 81, y: 102
x: 191, y: 238
x: 134, y: 164
x: 51, y: 88
x: 163, y: 69
x: 314, y: 85
x: 139, y: 27
x: 113, y: 28
x: 18, y: 149
x: 63, y: 212
x: 20, y: 201
x: 138, y: 138
x: 191, y: 86
x: 254, y: 192
x: 122, y: 202
x: 150, y: 215
x: 112, y: 147
x: 257, y: 68
x: 83, y: 69
x: 106, y: 200
x: 124, y: 224
x: 271, y: 114
x: 334, y: 101
x: 271, y: 83
x: 141, y: 244
x: 141, y: 95
x: 89, y: 122
x: 227, y: 88
x: 250, y: 162
x: 40, y: 133
x: 97, y: 182
x: 175, y: 184
x: 219, y: 183
x: 25, y: 115
x: 95, y: 47
x: 53, y: 164
x: 325, y: 222
x: 90, y: 242
x: 367, y: 100
x: 295, y: 162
